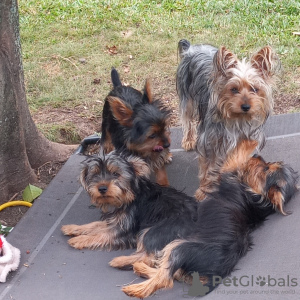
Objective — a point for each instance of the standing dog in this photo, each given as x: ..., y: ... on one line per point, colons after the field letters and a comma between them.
x: 134, y: 121
x: 228, y: 98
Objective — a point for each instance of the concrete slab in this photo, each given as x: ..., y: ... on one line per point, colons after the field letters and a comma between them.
x: 53, y: 270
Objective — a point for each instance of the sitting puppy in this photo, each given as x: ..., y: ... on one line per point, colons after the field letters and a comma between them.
x: 134, y: 121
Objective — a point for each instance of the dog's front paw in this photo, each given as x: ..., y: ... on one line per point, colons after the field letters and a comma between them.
x: 143, y: 270
x: 71, y: 229
x: 121, y: 262
x: 169, y: 158
x: 188, y: 145
x: 80, y: 242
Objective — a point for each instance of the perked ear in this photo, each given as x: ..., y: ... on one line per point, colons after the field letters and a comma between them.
x: 147, y: 96
x: 265, y: 61
x: 140, y: 167
x: 224, y: 60
x: 121, y: 112
x: 277, y: 199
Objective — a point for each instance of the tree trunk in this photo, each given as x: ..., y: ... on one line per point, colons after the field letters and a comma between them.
x: 22, y: 147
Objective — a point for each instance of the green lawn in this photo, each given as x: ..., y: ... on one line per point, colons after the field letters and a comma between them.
x: 67, y: 44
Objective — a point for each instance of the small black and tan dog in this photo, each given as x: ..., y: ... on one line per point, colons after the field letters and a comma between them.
x: 175, y: 235
x: 135, y: 121
x: 130, y: 203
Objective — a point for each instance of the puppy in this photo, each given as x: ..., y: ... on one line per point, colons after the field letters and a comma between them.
x: 135, y: 122
x: 247, y: 192
x: 225, y: 100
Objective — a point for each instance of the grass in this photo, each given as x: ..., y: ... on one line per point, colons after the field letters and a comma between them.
x: 66, y: 43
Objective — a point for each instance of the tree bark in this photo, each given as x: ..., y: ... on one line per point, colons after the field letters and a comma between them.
x: 22, y: 146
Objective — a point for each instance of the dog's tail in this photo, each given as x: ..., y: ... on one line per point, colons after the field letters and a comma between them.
x: 115, y: 78
x: 183, y: 46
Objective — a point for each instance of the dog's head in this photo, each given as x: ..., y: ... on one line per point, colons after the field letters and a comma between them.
x: 145, y: 126
x: 113, y: 180
x: 276, y: 182
x: 244, y: 88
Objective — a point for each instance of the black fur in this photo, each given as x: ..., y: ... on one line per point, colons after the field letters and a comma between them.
x: 214, y: 233
x: 145, y: 114
x: 153, y: 205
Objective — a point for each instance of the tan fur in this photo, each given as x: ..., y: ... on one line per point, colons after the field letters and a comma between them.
x: 120, y: 111
x: 189, y: 128
x: 161, y: 176
x: 148, y: 91
x: 101, y: 234
x: 161, y: 279
x: 93, y: 235
x: 239, y: 156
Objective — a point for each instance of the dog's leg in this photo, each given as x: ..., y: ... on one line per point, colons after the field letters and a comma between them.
x: 169, y: 157
x: 161, y: 279
x: 189, y: 127
x: 82, y: 229
x: 143, y: 269
x: 161, y: 176
x: 93, y: 235
x: 205, y: 178
x: 239, y: 156
x: 107, y: 143
x: 122, y: 262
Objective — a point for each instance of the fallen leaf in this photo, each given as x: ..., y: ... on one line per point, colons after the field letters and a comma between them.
x: 112, y: 50
x: 96, y: 81
x: 31, y: 192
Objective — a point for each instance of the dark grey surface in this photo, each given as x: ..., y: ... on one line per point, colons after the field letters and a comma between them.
x: 54, y: 270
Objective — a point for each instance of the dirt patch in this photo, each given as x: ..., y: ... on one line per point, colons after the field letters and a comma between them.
x: 82, y: 118
x: 286, y: 103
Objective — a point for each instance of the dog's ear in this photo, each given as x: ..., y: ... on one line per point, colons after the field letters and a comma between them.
x: 147, y: 96
x: 265, y: 62
x: 224, y: 60
x: 83, y: 175
x: 140, y: 167
x: 276, y: 198
x: 121, y: 112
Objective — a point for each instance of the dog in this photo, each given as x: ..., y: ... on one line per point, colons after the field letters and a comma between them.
x: 130, y: 202
x: 248, y: 191
x: 134, y: 121
x: 175, y: 234
x: 229, y: 99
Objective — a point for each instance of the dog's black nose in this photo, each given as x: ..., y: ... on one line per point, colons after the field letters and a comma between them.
x: 102, y: 189
x: 245, y: 107
x: 166, y: 145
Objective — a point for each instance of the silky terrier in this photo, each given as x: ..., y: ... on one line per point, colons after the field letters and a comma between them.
x: 134, y: 121
x: 229, y: 99
x: 176, y: 235
x: 130, y: 202
x: 247, y: 192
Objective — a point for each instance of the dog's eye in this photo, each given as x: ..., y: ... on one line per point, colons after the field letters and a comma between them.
x: 254, y: 90
x: 234, y: 90
x: 266, y: 168
x: 152, y: 136
x: 115, y: 174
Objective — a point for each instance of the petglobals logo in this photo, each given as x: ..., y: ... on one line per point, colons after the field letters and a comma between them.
x: 271, y: 282
x: 250, y: 281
